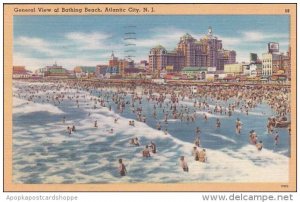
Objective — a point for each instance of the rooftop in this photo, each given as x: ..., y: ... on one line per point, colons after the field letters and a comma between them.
x: 57, y: 70
x: 194, y: 69
x: 159, y: 47
x: 19, y: 70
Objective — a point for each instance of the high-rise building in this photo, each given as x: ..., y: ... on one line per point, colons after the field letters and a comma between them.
x: 121, y: 64
x: 206, y: 52
x: 125, y: 64
x: 269, y: 62
x: 213, y: 45
x: 253, y: 57
x: 225, y: 57
x: 286, y: 63
x: 159, y: 58
x: 192, y: 50
x: 274, y: 62
x: 113, y: 61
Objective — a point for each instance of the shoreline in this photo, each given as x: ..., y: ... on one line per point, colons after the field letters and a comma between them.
x: 216, y: 170
x: 168, y: 82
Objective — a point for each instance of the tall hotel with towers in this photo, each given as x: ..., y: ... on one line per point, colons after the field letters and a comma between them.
x: 190, y: 52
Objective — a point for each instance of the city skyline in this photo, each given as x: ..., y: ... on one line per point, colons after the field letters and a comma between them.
x: 89, y: 40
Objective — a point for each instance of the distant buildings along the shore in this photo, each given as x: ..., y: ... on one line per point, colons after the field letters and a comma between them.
x: 276, y: 64
x: 204, y: 60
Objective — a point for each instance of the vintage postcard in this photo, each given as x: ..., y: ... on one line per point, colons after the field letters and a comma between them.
x: 150, y: 97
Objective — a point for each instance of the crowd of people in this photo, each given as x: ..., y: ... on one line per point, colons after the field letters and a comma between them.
x: 167, y: 102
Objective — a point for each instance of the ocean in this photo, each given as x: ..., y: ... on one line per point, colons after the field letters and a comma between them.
x: 43, y: 151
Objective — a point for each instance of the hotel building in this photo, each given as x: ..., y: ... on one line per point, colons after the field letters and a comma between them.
x: 190, y: 52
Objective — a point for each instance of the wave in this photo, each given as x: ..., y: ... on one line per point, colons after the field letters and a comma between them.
x: 90, y: 154
x: 24, y: 107
x: 223, y: 137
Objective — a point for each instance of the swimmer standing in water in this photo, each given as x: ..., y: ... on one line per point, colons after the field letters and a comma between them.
x: 218, y: 123
x: 202, y: 156
x: 153, y: 147
x: 183, y: 164
x: 197, y: 132
x: 122, y: 168
x: 197, y: 141
x: 146, y: 152
x: 238, y: 126
x: 276, y: 138
x: 195, y: 154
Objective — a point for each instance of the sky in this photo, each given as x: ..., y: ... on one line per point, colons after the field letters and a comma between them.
x: 89, y: 40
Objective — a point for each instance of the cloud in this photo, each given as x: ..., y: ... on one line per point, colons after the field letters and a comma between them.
x: 89, y: 41
x: 92, y: 48
x: 254, y: 38
x: 229, y: 41
x: 253, y: 41
x: 37, y: 44
x: 33, y: 63
x: 76, y: 48
x: 251, y: 36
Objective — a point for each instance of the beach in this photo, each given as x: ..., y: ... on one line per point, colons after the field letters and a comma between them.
x: 44, y: 152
